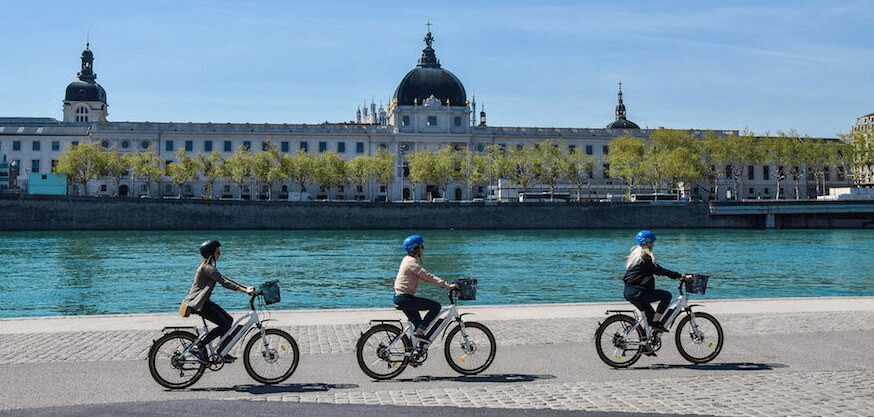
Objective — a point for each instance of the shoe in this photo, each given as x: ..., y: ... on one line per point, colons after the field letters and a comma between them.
x: 659, y: 327
x: 199, y: 353
x: 649, y: 353
x: 229, y: 358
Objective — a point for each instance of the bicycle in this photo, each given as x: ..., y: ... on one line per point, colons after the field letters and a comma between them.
x: 621, y: 339
x: 270, y: 356
x: 385, y: 350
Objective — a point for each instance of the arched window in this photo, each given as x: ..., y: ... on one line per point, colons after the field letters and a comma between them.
x: 82, y: 114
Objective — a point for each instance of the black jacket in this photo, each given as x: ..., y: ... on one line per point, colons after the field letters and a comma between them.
x: 643, y: 273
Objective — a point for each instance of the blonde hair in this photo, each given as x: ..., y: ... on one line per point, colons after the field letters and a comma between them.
x: 208, y: 260
x: 635, y: 257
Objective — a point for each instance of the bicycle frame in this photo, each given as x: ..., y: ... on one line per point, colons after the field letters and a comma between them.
x: 439, y: 325
x: 676, y: 306
x: 239, y: 329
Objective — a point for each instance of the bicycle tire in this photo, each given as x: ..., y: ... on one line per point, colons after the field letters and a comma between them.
x: 687, y: 343
x: 453, y: 349
x: 168, y: 348
x: 615, y: 327
x: 282, y: 345
x: 370, y: 350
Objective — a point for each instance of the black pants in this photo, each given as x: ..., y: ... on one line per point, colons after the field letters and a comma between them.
x: 411, y: 305
x: 215, y: 314
x: 642, y: 298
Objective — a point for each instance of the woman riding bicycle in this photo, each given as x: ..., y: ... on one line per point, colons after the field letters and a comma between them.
x: 197, y: 300
x: 639, y: 279
x: 407, y: 281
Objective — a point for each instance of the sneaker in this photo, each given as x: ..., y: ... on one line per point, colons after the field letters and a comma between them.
x: 199, y: 353
x: 659, y: 327
x: 229, y: 358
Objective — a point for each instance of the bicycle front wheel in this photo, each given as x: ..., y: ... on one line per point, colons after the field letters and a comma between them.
x: 699, y: 337
x: 381, y: 353
x: 619, y: 341
x: 471, y: 353
x: 273, y: 359
x: 170, y: 366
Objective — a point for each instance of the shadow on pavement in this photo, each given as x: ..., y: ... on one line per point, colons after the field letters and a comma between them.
x: 291, y: 388
x: 719, y: 366
x: 487, y: 378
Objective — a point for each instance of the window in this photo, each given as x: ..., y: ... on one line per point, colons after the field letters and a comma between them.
x: 229, y: 146
x: 82, y: 114
x: 54, y: 164
x: 341, y: 147
x: 728, y: 171
x: 265, y: 145
x: 145, y: 145
x: 605, y: 150
x: 432, y: 120
x: 207, y: 146
x: 323, y: 146
x: 74, y: 143
x: 168, y: 145
x: 571, y: 149
x: 766, y: 173
x: 104, y: 144
x: 751, y: 173
x: 826, y: 174
x: 589, y: 150
x: 125, y: 144
x: 16, y: 145
x: 606, y: 168
x: 247, y: 145
x: 304, y: 146
x: 35, y: 145
x: 34, y: 166
x: 405, y: 121
x: 767, y: 192
x: 359, y: 147
x: 458, y: 121
x: 189, y: 146
x: 284, y: 146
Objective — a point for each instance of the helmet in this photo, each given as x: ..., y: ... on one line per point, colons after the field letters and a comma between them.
x: 645, y: 237
x: 412, y: 242
x: 208, y: 248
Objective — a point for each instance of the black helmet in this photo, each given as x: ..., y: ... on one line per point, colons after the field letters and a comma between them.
x: 207, y: 249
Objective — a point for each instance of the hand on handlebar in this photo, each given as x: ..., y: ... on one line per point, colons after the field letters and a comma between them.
x: 688, y: 277
x: 454, y: 286
x: 251, y: 291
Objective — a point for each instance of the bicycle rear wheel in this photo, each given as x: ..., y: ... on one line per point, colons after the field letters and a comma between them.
x: 474, y: 355
x: 169, y: 366
x: 617, y: 343
x: 378, y: 357
x: 699, y: 340
x: 273, y: 359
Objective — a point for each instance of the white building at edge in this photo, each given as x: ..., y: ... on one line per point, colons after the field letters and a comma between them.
x: 429, y: 110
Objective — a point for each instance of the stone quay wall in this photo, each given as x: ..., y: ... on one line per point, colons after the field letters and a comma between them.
x: 37, y: 213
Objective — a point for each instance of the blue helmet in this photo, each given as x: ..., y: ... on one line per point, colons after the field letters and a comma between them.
x: 412, y: 242
x: 645, y: 237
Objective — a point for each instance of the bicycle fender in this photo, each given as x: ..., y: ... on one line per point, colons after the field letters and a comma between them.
x: 694, y: 304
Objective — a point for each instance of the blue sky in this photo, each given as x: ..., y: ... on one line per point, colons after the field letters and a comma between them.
x: 766, y: 66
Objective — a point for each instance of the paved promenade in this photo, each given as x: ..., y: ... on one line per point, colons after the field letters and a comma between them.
x: 781, y: 357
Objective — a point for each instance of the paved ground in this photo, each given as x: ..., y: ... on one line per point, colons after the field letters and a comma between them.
x: 782, y: 357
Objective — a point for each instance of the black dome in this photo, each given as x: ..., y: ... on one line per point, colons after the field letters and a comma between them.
x: 83, y: 91
x: 429, y: 78
x: 623, y: 124
x: 420, y: 83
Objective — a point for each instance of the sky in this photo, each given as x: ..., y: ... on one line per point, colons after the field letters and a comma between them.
x: 763, y: 66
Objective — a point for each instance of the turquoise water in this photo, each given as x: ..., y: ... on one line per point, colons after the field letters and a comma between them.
x: 85, y: 273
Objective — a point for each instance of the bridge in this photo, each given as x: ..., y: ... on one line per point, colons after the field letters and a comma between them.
x: 801, y: 213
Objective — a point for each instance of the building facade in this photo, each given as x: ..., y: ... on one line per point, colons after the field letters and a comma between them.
x: 429, y: 110
x: 864, y: 127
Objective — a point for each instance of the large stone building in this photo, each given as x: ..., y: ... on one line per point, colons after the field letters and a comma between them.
x: 864, y: 127
x: 429, y: 110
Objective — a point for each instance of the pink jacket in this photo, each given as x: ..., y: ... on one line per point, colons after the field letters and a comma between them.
x: 409, y: 275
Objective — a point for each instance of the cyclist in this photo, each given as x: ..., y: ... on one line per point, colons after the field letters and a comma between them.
x: 197, y: 300
x: 639, y: 279
x: 407, y: 281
